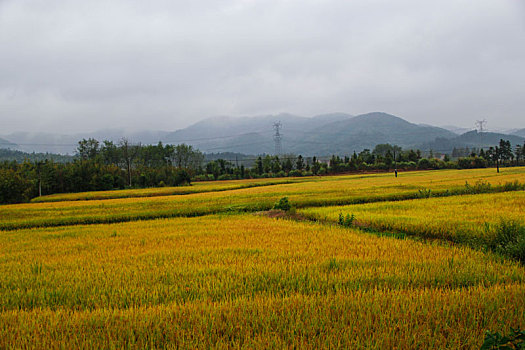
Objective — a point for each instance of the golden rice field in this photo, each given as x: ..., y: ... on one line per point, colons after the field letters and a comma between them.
x: 195, y: 187
x: 318, y: 192
x: 248, y: 281
x: 201, y: 270
x: 452, y: 218
x: 439, y: 179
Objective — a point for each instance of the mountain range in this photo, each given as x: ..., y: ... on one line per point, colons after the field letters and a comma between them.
x: 471, y: 139
x: 336, y: 133
x: 520, y: 132
x: 6, y: 144
x: 41, y: 142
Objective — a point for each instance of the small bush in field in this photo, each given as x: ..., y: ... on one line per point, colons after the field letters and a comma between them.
x: 346, y: 221
x: 283, y: 204
x: 508, y: 238
x: 514, y: 340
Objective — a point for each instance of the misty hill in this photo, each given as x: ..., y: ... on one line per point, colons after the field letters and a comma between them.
x: 249, y: 135
x: 19, y: 156
x: 520, y: 132
x: 7, y: 144
x: 235, y: 158
x: 321, y: 135
x: 366, y: 131
x: 41, y: 142
x: 456, y: 129
x: 224, y: 126
x: 471, y: 139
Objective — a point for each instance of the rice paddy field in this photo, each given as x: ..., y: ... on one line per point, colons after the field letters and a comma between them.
x: 213, y: 270
x: 311, y: 192
x: 196, y: 187
x: 452, y: 218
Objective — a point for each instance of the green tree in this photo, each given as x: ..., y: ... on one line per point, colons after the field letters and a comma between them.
x: 110, y: 153
x: 185, y: 156
x: 259, y: 165
x: 519, y: 154
x: 316, y: 166
x: 505, y: 150
x: 14, y: 187
x: 267, y: 164
x: 299, y: 164
x: 276, y: 165
x: 389, y: 158
x: 88, y: 149
x: 129, y: 153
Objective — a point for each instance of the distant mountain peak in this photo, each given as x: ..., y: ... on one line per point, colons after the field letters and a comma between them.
x: 382, y: 116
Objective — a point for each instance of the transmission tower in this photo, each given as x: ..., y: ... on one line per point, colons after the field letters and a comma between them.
x: 480, y: 126
x: 277, y: 138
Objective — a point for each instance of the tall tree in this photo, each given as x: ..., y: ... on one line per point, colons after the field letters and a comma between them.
x: 276, y: 165
x: 259, y: 165
x: 110, y: 153
x: 299, y: 163
x: 129, y: 153
x: 505, y: 150
x: 185, y: 156
x: 519, y: 154
x: 88, y: 149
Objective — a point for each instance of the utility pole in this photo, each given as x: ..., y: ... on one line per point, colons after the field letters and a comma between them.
x: 277, y: 137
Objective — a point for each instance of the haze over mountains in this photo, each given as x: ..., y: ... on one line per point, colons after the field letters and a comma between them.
x: 67, y: 144
x: 520, y: 132
x: 336, y: 133
x: 471, y: 139
x: 7, y: 144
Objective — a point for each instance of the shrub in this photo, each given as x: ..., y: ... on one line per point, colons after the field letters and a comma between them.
x: 513, y: 186
x: 508, y: 238
x: 200, y: 177
x: 464, y: 163
x: 283, y: 204
x: 346, y: 221
x: 425, y: 193
x: 514, y: 340
x: 423, y: 163
x: 182, y: 177
x: 225, y: 177
x: 479, y: 162
x: 480, y: 187
x: 295, y: 173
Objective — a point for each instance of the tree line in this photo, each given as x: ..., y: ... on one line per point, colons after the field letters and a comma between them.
x: 107, y: 165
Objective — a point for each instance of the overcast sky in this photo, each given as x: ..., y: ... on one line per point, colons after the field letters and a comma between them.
x: 69, y: 66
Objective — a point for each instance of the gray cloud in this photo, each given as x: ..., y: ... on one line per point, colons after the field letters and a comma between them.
x: 73, y: 66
